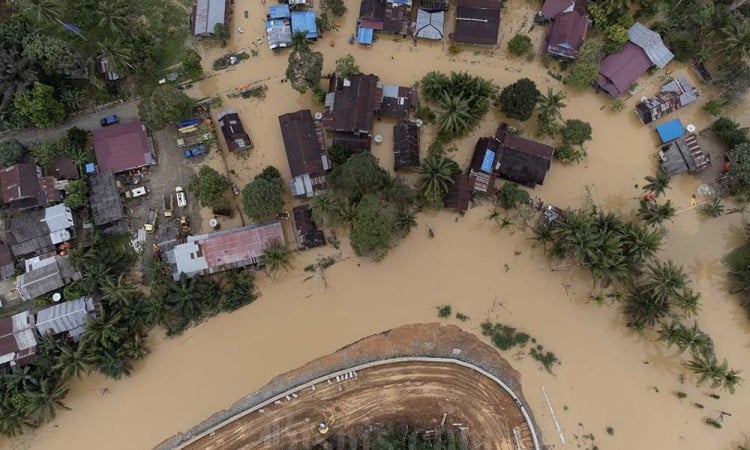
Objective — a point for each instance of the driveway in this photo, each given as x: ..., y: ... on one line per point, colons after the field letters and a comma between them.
x: 89, y: 120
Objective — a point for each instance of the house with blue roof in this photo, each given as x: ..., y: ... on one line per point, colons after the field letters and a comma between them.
x: 304, y: 21
x: 669, y: 131
x: 279, y: 27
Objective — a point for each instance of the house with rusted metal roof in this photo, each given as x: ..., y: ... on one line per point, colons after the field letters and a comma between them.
x: 23, y: 186
x: 674, y: 95
x: 405, y: 145
x: 215, y: 252
x: 643, y: 50
x: 394, y: 101
x: 39, y: 231
x: 209, y: 13
x: 397, y: 17
x: 44, y: 275
x: 307, y: 232
x: 65, y: 319
x: 17, y: 341
x: 459, y: 193
x: 305, y: 151
x: 349, y: 110
x: 123, y: 147
x: 565, y: 35
x: 66, y: 169
x: 477, y: 22
x: 233, y: 131
x: 554, y: 8
x: 682, y: 155
x: 106, y: 204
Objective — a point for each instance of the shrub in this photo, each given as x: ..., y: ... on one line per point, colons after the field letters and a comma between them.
x: 519, y: 99
x: 336, y: 7
x: 11, y: 152
x: 38, y: 106
x: 166, y: 105
x: 444, y: 311
x: 568, y: 155
x: 520, y: 45
x: 510, y: 196
x: 191, y: 64
x: 77, y: 194
x: 346, y: 66
x: 263, y: 198
x: 729, y: 132
x: 576, y: 132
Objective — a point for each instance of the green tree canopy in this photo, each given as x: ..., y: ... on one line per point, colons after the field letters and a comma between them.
x: 304, y: 69
x: 730, y: 132
x: 739, y: 166
x: 372, y: 228
x: 358, y: 176
x: 576, y: 132
x: 520, y: 45
x: 263, y: 198
x: 346, y: 66
x: 191, y: 64
x: 77, y: 194
x: 221, y: 33
x: 519, y: 99
x: 39, y: 107
x: 166, y: 105
x: 336, y: 7
x: 11, y: 152
x: 209, y: 186
x: 45, y: 152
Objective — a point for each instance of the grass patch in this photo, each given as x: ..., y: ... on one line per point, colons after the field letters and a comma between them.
x: 506, y: 337
x: 171, y: 24
x: 444, y: 311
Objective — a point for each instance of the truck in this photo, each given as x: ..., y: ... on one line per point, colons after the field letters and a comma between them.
x: 168, y: 205
x: 109, y: 120
x: 195, y: 151
x: 137, y: 192
x: 150, y: 225
x: 180, y: 194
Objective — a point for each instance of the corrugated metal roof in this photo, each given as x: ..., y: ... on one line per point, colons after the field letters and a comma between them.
x: 66, y: 317
x: 651, y: 43
x: 279, y: 33
x: 22, y: 331
x: 305, y: 21
x: 671, y: 130
x: 58, y: 217
x: 279, y: 12
x: 364, y: 35
x: 207, y: 14
x: 430, y: 25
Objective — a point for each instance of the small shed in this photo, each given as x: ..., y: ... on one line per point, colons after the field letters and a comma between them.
x: 305, y: 21
x: 405, y: 145
x: 364, y: 35
x: 66, y: 169
x: 430, y: 24
x: 307, y: 232
x: 106, y: 204
x: 233, y: 131
x: 459, y: 194
x: 669, y: 131
x: 683, y: 155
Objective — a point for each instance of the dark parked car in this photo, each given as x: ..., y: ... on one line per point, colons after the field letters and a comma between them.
x: 110, y: 120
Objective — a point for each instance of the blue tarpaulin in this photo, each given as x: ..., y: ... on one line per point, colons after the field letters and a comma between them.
x: 364, y: 35
x: 279, y: 12
x: 670, y: 131
x: 90, y: 168
x: 489, y: 159
x: 305, y: 21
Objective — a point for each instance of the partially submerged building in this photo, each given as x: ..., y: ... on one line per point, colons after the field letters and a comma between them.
x: 209, y: 13
x: 682, y: 155
x: 459, y: 194
x: 39, y: 231
x: 305, y: 152
x: 233, y: 131
x: 511, y: 157
x: 45, y: 275
x: 555, y: 8
x: 279, y: 27
x: 106, y: 204
x: 223, y: 250
x: 65, y: 319
x: 477, y: 22
x: 397, y: 17
x: 394, y: 101
x: 390, y: 16
x: 669, y: 131
x: 304, y: 21
x: 430, y: 24
x: 674, y: 95
x: 644, y: 49
x: 307, y: 232
x: 349, y: 110
x: 23, y: 186
x: 17, y: 340
x: 565, y: 35
x: 123, y: 147
x: 405, y: 145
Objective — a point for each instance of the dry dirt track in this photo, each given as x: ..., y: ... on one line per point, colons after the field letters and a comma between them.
x: 417, y: 393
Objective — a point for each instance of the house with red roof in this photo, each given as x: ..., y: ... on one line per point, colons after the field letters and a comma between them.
x: 23, y: 186
x: 123, y: 147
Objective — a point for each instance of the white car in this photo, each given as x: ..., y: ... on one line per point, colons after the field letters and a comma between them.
x: 181, y: 198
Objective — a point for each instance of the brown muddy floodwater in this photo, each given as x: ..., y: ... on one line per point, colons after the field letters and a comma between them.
x: 609, y: 377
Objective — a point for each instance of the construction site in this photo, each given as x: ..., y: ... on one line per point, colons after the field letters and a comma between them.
x: 437, y: 394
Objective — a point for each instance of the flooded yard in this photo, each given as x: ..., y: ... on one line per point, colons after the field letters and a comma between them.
x: 609, y: 376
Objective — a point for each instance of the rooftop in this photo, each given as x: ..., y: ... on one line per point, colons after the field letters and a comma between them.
x: 303, y: 143
x: 566, y: 34
x: 620, y: 70
x: 372, y: 14
x: 17, y: 339
x: 405, y: 145
x: 477, y: 22
x: 233, y: 131
x: 305, y: 21
x: 279, y: 32
x: 7, y: 269
x: 430, y: 25
x: 122, y: 147
x: 65, y: 317
x: 651, y: 43
x: 397, y: 17
x: 40, y: 230
x: 459, y: 194
x: 105, y: 200
x: 674, y: 95
x: 669, y: 131
x: 353, y: 104
x: 553, y: 8
x: 224, y: 250
x: 24, y: 187
x: 308, y: 234
x: 207, y: 13
x: 395, y: 101
x: 66, y: 169
x: 46, y: 279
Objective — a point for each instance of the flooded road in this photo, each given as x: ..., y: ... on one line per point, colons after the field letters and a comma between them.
x: 609, y: 376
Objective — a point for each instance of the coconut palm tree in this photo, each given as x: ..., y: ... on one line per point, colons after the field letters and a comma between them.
x: 688, y: 301
x: 73, y: 99
x: 325, y: 209
x: 299, y: 41
x: 699, y: 343
x: 735, y: 40
x: 184, y: 300
x: 46, y: 399
x: 276, y: 257
x: 551, y: 105
x: 42, y: 11
x: 436, y: 176
x: 639, y: 244
x: 657, y: 184
x: 454, y: 115
x: 670, y: 332
x: 708, y: 371
x: 654, y: 214
x: 642, y: 309
x: 114, y: 363
x: 731, y: 380
x: 11, y: 419
x: 434, y: 85
x: 72, y: 362
x: 664, y: 281
x: 114, y: 16
x: 714, y: 208
x: 20, y: 379
x: 119, y: 56
x: 118, y: 291
x: 102, y: 333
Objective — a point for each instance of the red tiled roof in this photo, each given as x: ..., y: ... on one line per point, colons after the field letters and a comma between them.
x: 122, y: 147
x: 242, y: 245
x: 618, y: 71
